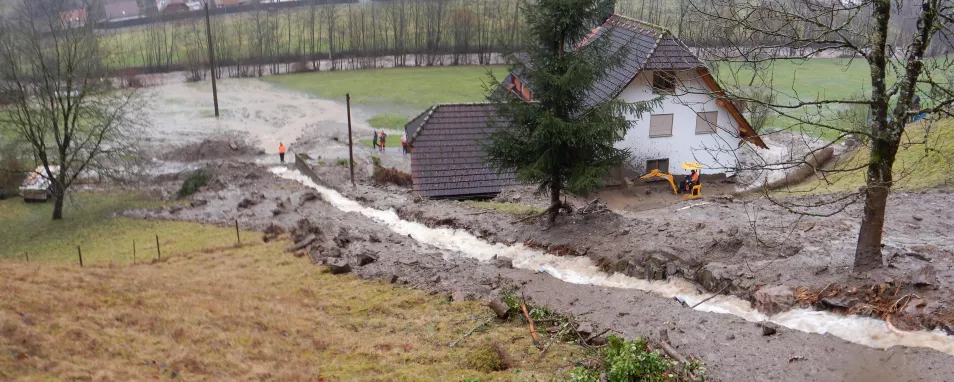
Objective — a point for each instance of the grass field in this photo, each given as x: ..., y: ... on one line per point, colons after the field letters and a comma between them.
x: 89, y: 222
x: 392, y: 140
x: 414, y: 89
x: 918, y: 165
x: 388, y: 121
x: 246, y: 313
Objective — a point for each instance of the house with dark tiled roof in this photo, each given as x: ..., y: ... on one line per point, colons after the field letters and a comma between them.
x: 695, y: 122
x: 447, y: 158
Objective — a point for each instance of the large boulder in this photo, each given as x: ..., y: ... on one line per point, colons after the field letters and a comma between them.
x: 774, y: 299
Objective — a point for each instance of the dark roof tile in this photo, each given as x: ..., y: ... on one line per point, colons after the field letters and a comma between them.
x: 447, y: 160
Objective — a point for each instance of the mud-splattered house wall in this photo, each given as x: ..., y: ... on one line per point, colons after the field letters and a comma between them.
x: 689, y: 126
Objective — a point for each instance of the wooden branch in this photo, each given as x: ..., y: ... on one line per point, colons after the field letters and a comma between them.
x: 672, y: 353
x: 533, y: 330
x: 471, y: 332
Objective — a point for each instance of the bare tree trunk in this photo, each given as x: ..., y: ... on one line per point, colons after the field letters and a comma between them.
x: 554, y: 200
x: 58, y: 196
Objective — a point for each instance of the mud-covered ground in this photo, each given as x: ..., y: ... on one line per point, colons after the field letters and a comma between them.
x: 254, y: 117
x: 709, y: 241
x: 750, y: 248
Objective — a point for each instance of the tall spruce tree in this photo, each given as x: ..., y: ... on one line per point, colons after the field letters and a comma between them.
x: 561, y: 140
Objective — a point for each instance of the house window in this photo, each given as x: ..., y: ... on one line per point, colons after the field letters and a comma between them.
x: 707, y: 122
x: 664, y: 82
x: 660, y: 125
x: 658, y: 164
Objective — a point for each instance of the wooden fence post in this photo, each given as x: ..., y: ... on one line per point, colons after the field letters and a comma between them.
x: 158, y: 251
x: 237, y: 237
x: 134, y: 252
x: 80, y: 252
x: 27, y: 255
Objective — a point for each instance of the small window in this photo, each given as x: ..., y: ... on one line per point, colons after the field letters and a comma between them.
x: 658, y: 164
x: 660, y: 125
x: 664, y: 82
x: 707, y: 122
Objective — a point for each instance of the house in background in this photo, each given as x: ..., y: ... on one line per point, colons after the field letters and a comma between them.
x: 122, y: 10
x: 695, y: 123
x: 172, y: 7
x: 75, y: 17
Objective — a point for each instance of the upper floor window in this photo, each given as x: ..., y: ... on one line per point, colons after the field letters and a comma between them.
x: 707, y: 122
x: 664, y: 82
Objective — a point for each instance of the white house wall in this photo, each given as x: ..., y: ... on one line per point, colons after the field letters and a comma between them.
x: 715, y: 152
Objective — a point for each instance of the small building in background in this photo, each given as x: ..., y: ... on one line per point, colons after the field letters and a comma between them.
x: 173, y: 6
x: 74, y: 17
x: 447, y: 157
x: 122, y: 10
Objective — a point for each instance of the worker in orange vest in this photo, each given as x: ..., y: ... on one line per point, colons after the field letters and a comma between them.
x: 281, y: 152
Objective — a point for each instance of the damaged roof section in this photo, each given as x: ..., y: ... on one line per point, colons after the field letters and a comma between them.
x: 447, y: 159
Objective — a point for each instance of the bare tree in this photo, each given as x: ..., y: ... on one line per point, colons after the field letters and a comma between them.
x: 69, y: 115
x: 757, y: 35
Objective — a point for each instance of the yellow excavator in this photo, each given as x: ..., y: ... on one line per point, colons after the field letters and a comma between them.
x: 696, y: 190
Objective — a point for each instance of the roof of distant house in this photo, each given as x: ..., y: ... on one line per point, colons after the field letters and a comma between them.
x: 448, y: 160
x: 121, y: 10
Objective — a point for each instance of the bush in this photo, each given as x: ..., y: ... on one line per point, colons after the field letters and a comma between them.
x: 487, y: 358
x: 392, y: 175
x: 582, y: 374
x: 342, y: 162
x: 629, y: 361
x: 376, y: 160
x: 12, y: 170
x: 193, y: 183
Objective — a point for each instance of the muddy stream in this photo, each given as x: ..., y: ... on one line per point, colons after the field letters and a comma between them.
x: 581, y: 270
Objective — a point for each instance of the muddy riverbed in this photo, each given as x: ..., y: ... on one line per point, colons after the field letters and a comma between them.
x: 713, y: 235
x: 751, y: 249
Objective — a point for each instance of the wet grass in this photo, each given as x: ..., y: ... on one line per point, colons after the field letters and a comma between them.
x: 249, y: 313
x: 409, y: 88
x: 506, y: 208
x: 90, y: 222
x: 392, y: 140
x: 388, y: 121
x: 925, y: 160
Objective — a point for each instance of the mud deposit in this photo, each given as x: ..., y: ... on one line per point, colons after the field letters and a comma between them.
x: 710, y: 244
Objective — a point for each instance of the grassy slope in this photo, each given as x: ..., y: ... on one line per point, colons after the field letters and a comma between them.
x: 249, y: 313
x: 918, y: 165
x: 89, y: 223
x: 411, y: 88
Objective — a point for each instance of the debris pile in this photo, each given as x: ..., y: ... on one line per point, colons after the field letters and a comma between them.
x: 342, y: 250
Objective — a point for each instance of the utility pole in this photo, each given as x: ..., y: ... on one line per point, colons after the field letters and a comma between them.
x: 208, y: 35
x: 350, y: 139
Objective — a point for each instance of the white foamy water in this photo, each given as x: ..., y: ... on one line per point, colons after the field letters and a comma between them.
x: 582, y: 270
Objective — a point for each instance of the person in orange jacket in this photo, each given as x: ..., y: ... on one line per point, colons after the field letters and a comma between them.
x: 281, y: 152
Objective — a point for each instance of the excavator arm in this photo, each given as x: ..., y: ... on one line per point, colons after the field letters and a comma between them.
x: 656, y: 174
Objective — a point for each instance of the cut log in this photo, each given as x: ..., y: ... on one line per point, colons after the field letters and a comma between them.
x: 501, y: 309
